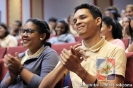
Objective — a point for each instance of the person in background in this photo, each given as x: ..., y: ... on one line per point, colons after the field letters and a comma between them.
x: 52, y: 22
x: 62, y: 34
x: 126, y: 27
x: 112, y: 12
x: 129, y: 10
x: 112, y: 30
x: 122, y: 16
x: 17, y: 25
x: 6, y: 40
x: 130, y: 47
x: 71, y: 26
x: 27, y: 69
x: 131, y: 29
x: 83, y: 60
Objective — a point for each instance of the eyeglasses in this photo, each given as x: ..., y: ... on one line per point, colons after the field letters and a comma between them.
x: 28, y: 31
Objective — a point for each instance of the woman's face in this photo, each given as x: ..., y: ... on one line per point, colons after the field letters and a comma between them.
x: 31, y: 37
x: 105, y: 30
x: 129, y: 12
x: 60, y: 28
x: 125, y: 22
x: 2, y: 31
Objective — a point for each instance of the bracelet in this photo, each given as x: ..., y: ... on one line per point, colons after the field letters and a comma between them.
x: 20, y: 70
x: 93, y: 84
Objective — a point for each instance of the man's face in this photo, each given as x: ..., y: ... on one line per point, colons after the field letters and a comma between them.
x: 84, y: 23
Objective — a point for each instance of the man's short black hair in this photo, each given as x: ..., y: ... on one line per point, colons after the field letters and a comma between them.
x: 94, y: 10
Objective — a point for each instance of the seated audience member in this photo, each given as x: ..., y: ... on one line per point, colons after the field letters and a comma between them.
x: 27, y: 69
x: 87, y: 21
x: 71, y: 26
x: 6, y: 40
x: 112, y: 30
x: 130, y: 47
x: 15, y: 29
x: 129, y: 10
x: 126, y: 27
x: 52, y: 23
x: 62, y: 34
x: 112, y: 12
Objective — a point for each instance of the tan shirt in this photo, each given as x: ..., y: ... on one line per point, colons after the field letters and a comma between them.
x: 8, y: 41
x: 101, y: 49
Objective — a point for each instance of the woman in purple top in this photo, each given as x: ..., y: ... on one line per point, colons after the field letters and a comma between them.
x: 27, y: 69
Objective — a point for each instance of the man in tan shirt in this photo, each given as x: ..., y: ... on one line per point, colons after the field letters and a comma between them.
x: 84, y: 73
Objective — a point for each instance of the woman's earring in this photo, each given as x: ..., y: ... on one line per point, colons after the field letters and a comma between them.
x: 41, y: 39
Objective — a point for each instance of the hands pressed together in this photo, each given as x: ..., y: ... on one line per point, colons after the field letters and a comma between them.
x: 13, y: 64
x: 72, y: 58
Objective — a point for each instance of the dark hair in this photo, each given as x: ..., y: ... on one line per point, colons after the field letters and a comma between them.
x: 116, y: 27
x: 19, y: 23
x: 114, y: 11
x: 66, y: 26
x: 94, y: 10
x: 42, y: 27
x: 6, y: 28
x: 52, y: 19
x: 130, y: 28
x: 68, y: 19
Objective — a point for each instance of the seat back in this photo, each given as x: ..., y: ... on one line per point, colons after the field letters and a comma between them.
x: 129, y: 69
x: 2, y: 52
x: 78, y: 38
x: 59, y: 47
x: 12, y: 50
x: 3, y: 70
x: 126, y: 42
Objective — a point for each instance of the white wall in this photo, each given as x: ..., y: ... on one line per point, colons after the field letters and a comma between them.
x: 61, y: 8
x: 26, y: 10
x: 3, y: 10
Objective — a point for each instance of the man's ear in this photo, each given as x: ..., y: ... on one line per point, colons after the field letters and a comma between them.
x: 43, y: 36
x: 98, y: 21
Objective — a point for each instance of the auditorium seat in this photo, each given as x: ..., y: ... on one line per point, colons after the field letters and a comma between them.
x: 129, y: 69
x: 3, y: 70
x: 12, y: 50
x: 78, y: 38
x: 2, y: 52
x: 59, y: 47
x: 126, y: 42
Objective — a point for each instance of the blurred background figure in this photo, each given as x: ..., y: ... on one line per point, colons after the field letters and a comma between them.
x: 112, y: 12
x: 126, y: 27
x: 71, y: 25
x: 112, y: 30
x: 130, y: 47
x: 16, y: 28
x: 52, y: 23
x: 129, y: 10
x: 122, y: 15
x: 62, y: 34
x: 6, y: 40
